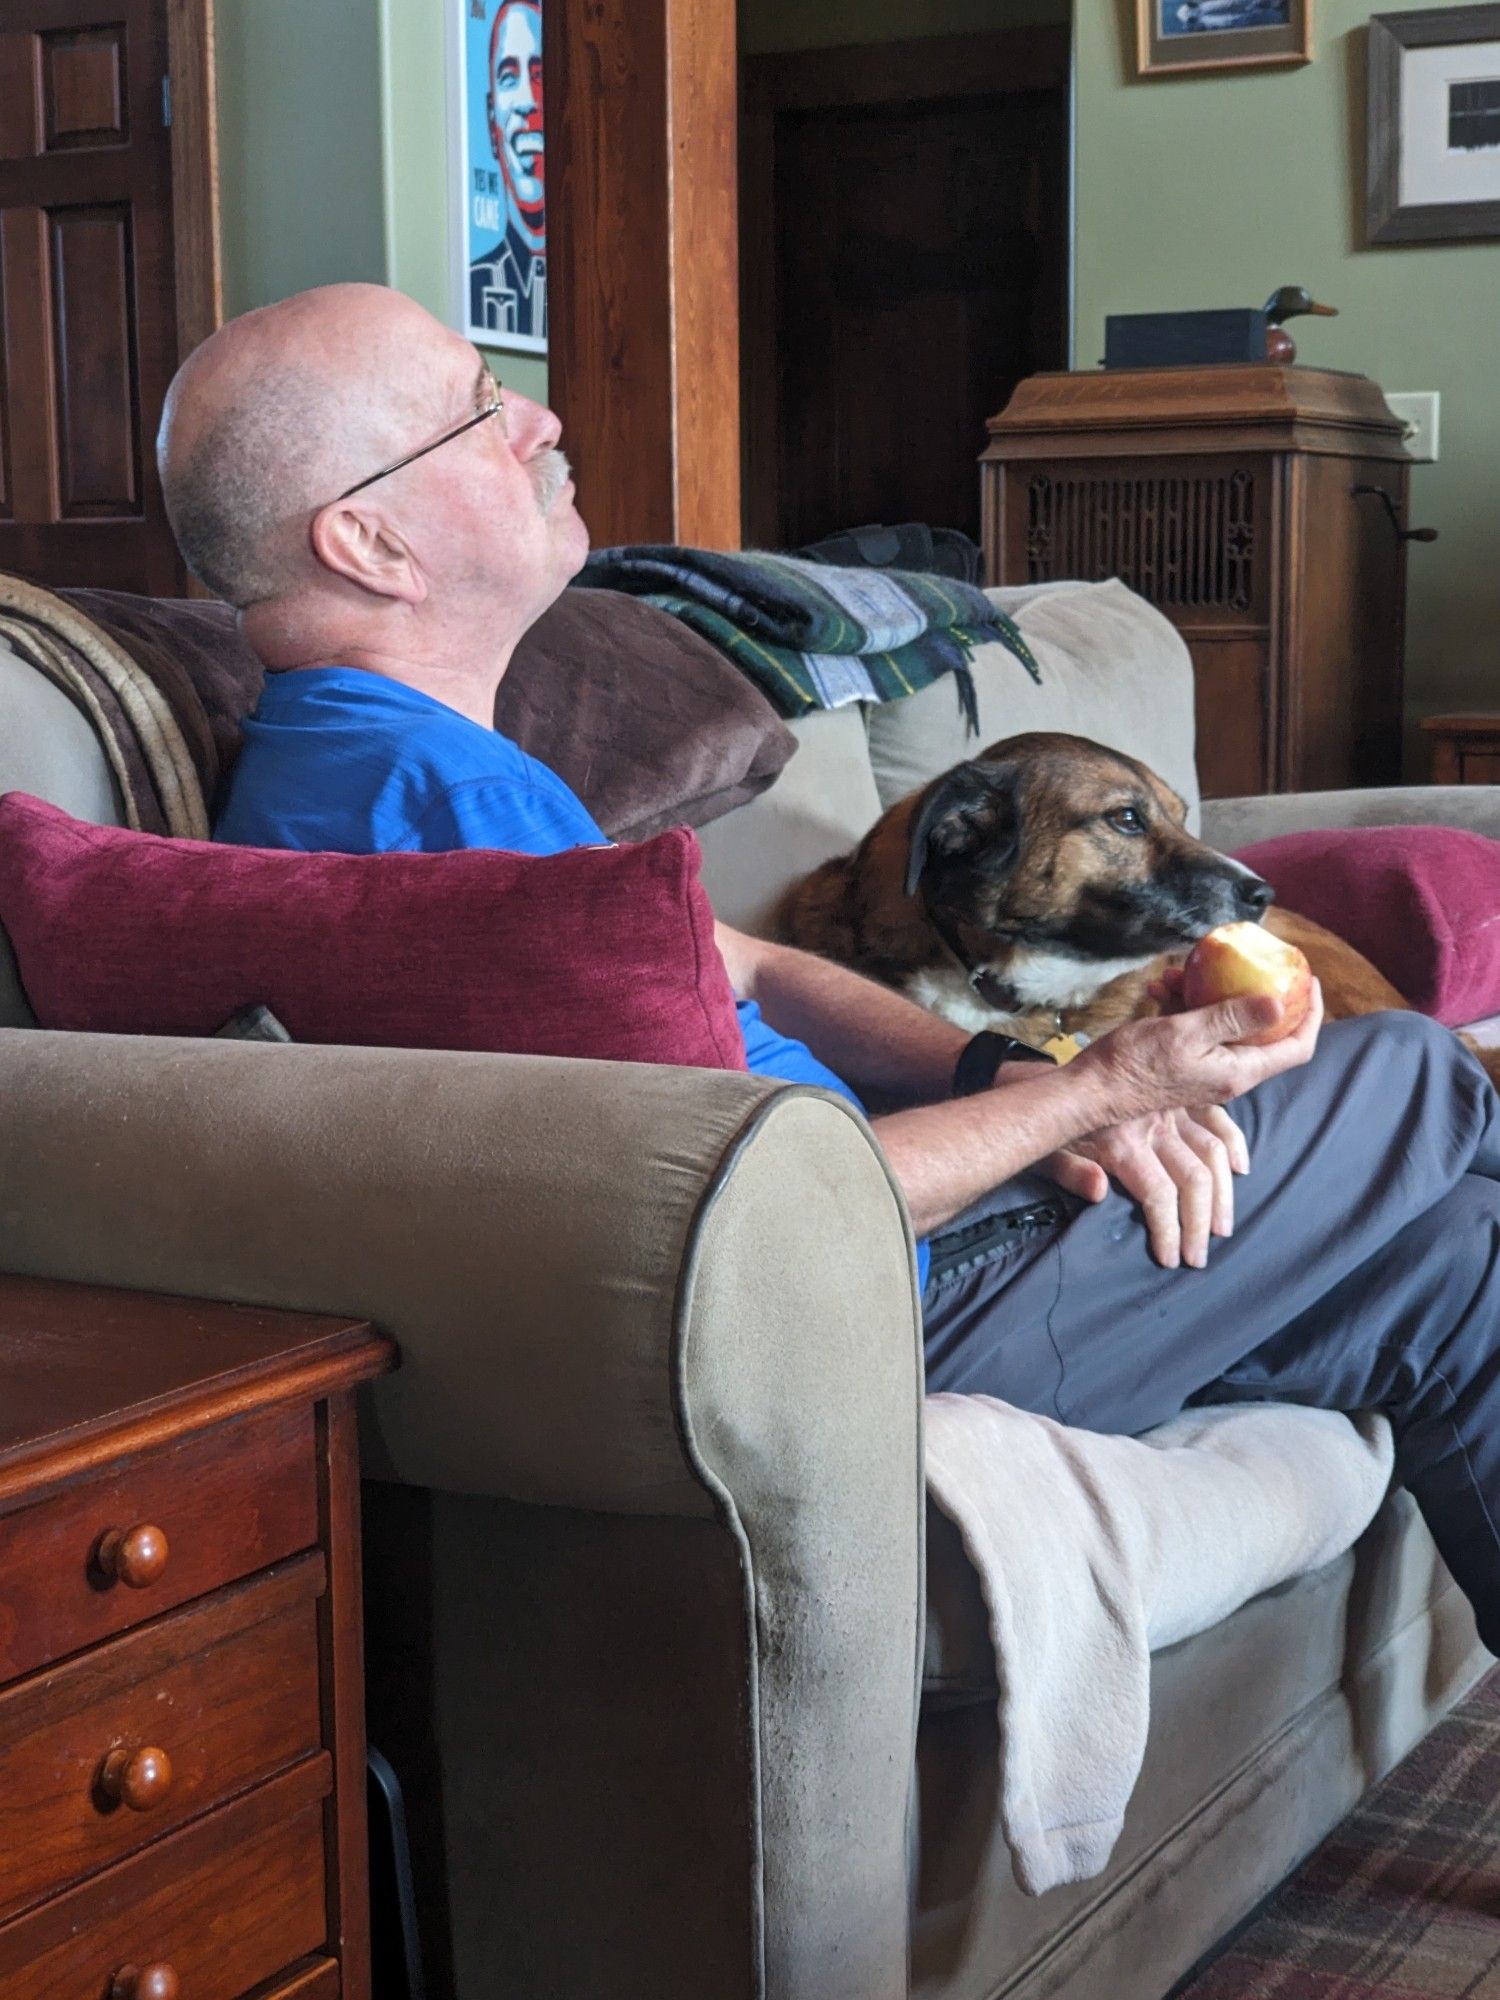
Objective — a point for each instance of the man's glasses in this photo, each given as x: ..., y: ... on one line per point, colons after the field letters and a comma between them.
x: 494, y: 407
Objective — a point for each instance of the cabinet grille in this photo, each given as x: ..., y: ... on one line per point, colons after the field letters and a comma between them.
x: 1177, y: 539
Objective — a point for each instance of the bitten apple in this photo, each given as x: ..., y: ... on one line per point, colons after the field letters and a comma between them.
x: 1239, y: 959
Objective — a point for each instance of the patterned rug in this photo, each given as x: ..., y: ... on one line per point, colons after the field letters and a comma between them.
x: 1403, y: 1900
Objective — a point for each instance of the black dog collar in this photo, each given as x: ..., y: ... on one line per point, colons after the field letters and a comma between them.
x: 988, y: 985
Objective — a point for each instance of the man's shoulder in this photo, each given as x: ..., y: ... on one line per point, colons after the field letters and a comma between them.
x: 402, y: 725
x: 354, y: 762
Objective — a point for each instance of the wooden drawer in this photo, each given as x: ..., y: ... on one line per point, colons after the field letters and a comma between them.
x: 228, y: 1690
x: 317, y: 1981
x: 230, y: 1903
x: 229, y: 1501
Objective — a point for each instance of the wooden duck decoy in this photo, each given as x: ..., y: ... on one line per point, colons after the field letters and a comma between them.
x: 1291, y: 302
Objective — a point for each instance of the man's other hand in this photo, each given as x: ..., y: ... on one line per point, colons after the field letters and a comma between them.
x: 1179, y: 1166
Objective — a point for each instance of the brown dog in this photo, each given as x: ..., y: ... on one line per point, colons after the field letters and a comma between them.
x: 1039, y: 889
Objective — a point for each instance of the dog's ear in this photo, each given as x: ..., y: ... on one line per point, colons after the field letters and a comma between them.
x: 972, y: 807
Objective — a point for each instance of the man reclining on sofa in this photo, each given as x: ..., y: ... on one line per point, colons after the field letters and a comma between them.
x: 389, y: 521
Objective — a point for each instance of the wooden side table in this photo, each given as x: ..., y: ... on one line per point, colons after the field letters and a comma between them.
x: 181, y: 1681
x: 1465, y: 749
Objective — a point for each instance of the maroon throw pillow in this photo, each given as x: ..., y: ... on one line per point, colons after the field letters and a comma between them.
x: 602, y: 952
x: 1421, y: 902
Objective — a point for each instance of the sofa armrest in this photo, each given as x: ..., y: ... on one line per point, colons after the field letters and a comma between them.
x: 1230, y: 824
x: 573, y: 1256
x: 676, y: 1305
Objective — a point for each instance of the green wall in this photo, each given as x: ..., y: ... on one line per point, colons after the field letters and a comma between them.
x: 333, y: 153
x: 299, y: 145
x: 1212, y: 192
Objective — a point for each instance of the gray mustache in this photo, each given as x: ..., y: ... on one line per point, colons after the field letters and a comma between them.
x: 550, y: 473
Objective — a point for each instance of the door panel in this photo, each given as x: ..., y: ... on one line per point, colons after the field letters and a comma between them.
x: 92, y: 324
x: 88, y: 311
x: 920, y: 255
x: 83, y: 93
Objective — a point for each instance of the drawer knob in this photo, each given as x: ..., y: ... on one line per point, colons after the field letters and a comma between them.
x: 136, y: 1556
x: 145, y: 1982
x: 139, y: 1779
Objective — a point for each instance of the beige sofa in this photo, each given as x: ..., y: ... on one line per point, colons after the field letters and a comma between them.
x: 692, y: 1698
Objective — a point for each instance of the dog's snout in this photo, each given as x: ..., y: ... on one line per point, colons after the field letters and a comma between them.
x: 1255, y: 896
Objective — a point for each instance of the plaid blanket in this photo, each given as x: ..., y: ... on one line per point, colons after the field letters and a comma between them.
x: 811, y: 636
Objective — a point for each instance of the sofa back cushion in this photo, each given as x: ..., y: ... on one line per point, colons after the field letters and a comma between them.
x: 600, y: 952
x: 821, y: 805
x: 1113, y: 669
x: 48, y: 747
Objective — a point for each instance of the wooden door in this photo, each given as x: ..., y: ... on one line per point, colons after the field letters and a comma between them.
x: 919, y: 245
x: 88, y: 307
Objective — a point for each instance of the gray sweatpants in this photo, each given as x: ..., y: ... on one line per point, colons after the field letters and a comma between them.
x: 1363, y: 1273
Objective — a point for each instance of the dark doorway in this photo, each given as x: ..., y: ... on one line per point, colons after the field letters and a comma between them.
x: 904, y: 222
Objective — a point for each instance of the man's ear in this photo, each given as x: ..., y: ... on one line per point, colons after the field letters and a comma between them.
x: 364, y: 546
x: 971, y: 809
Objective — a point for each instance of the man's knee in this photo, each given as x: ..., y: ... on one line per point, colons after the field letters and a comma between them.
x: 1418, y: 1035
x: 1462, y: 1234
x: 1402, y: 1049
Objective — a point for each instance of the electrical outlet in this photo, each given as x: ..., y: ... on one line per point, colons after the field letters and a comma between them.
x: 1418, y: 413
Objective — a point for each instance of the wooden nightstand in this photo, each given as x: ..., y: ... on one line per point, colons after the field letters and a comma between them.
x: 181, y: 1682
x: 1465, y: 749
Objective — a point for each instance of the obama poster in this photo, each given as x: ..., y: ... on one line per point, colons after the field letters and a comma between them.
x: 504, y: 174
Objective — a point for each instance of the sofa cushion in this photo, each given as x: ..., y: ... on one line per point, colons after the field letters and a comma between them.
x: 1265, y: 1730
x: 821, y: 805
x: 48, y: 746
x: 1421, y: 902
x: 1113, y: 669
x: 600, y: 952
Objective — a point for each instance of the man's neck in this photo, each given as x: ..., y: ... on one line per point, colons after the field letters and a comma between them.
x: 461, y: 670
x: 471, y: 690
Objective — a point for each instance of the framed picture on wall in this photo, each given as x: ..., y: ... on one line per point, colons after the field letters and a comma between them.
x: 497, y: 147
x: 1433, y: 126
x: 1174, y: 36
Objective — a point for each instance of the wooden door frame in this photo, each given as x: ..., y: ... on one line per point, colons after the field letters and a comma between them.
x: 912, y: 71
x: 642, y: 278
x: 196, y: 240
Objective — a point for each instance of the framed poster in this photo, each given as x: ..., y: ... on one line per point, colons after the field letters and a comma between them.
x: 1177, y: 35
x: 499, y: 160
x: 1433, y: 126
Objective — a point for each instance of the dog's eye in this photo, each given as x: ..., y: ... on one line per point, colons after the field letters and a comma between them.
x: 1125, y: 819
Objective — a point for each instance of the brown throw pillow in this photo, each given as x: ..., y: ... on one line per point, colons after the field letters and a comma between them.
x: 646, y: 721
x: 650, y: 725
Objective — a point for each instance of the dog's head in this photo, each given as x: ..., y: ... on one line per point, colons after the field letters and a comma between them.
x: 1053, y: 845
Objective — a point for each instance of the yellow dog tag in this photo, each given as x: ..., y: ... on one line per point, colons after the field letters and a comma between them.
x: 1063, y: 1048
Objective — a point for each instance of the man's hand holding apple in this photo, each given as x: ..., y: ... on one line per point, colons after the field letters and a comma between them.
x: 1171, y: 1148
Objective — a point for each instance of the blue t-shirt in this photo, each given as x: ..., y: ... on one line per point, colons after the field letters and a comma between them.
x: 340, y: 760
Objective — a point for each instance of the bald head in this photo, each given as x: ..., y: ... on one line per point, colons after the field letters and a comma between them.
x: 279, y: 411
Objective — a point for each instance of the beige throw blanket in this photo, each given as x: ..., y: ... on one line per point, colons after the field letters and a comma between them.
x: 161, y: 788
x: 1093, y: 1552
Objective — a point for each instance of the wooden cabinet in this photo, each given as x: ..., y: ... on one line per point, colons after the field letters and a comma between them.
x: 1263, y: 510
x: 181, y: 1684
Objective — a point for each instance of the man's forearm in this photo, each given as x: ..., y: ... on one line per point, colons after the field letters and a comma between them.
x: 882, y: 1044
x: 947, y: 1155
